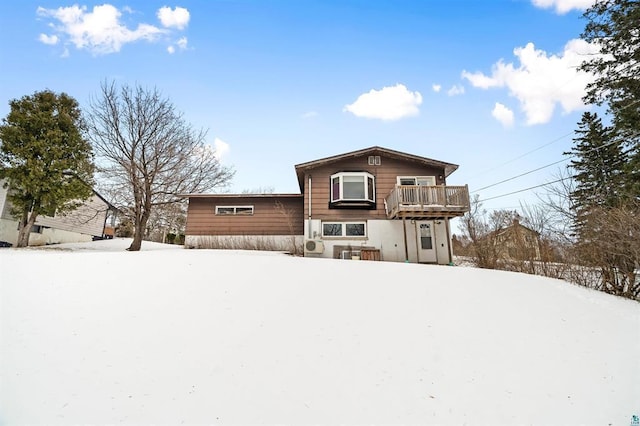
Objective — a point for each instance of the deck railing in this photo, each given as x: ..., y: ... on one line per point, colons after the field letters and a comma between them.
x: 426, y: 199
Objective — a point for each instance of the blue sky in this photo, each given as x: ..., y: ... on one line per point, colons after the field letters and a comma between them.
x: 481, y: 84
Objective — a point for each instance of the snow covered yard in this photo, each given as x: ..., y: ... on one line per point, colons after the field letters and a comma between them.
x: 92, y: 334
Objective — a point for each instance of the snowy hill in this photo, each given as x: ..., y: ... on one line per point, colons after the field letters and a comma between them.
x: 92, y: 334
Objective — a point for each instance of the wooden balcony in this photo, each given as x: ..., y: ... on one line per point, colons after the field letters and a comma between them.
x: 427, y: 202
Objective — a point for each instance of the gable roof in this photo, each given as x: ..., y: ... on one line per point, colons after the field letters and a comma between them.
x: 374, y: 150
x: 515, y: 224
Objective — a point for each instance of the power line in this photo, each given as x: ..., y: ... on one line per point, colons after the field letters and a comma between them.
x: 539, y: 148
x: 525, y: 154
x: 547, y: 165
x: 522, y: 174
x: 528, y: 189
x: 554, y: 163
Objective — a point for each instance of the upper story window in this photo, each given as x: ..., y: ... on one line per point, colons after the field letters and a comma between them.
x: 417, y: 180
x: 234, y: 210
x: 349, y: 188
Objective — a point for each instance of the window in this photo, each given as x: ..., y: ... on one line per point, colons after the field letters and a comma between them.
x: 417, y: 180
x: 423, y: 194
x: 35, y: 229
x: 352, y: 187
x: 234, y: 210
x: 343, y: 229
x: 426, y: 243
x: 374, y: 160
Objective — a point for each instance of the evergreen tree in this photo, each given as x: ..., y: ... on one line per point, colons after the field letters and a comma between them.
x: 598, y: 165
x: 44, y: 158
x: 613, y: 25
x: 607, y: 164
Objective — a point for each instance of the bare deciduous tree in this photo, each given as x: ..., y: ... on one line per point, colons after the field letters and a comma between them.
x: 480, y: 231
x: 147, y: 153
x: 611, y: 243
x: 290, y: 217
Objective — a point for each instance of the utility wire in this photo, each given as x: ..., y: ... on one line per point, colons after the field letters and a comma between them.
x: 522, y: 174
x: 539, y: 148
x: 528, y: 189
x: 547, y: 165
x: 525, y: 154
x: 635, y: 135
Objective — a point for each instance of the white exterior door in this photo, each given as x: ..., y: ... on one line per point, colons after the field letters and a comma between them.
x: 426, y: 241
x: 441, y: 242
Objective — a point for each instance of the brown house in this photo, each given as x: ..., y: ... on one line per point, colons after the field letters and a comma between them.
x: 245, y: 221
x: 517, y: 242
x: 374, y: 203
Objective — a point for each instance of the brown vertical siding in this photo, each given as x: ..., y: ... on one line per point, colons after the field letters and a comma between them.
x: 265, y: 220
x: 385, y: 179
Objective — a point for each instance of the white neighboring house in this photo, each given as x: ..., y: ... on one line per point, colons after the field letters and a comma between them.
x: 92, y: 220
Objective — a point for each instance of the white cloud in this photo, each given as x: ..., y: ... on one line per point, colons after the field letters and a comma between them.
x: 456, y: 90
x: 388, y: 103
x: 541, y: 80
x: 436, y: 88
x: 563, y: 6
x: 310, y: 114
x: 46, y: 39
x: 182, y: 45
x: 221, y: 148
x: 503, y: 114
x: 100, y: 30
x: 176, y: 18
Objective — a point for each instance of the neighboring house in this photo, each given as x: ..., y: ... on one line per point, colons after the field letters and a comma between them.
x: 89, y: 221
x: 375, y: 203
x: 517, y: 242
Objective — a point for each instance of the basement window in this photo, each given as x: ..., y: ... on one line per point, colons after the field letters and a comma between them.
x: 234, y: 210
x: 343, y: 229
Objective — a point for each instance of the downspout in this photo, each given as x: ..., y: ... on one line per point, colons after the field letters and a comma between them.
x: 309, y: 219
x: 449, y: 241
x: 415, y: 223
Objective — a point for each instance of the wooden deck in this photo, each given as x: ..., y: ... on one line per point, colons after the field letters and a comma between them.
x: 425, y: 202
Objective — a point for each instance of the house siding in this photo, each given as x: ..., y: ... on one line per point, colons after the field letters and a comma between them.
x: 265, y: 220
x: 385, y: 180
x: 88, y: 219
x: 385, y: 237
x: 79, y: 225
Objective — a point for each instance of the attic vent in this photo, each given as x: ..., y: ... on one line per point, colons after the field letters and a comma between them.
x: 374, y: 160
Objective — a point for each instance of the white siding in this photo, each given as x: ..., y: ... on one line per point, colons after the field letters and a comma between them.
x: 385, y: 235
x: 87, y: 219
x: 76, y: 226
